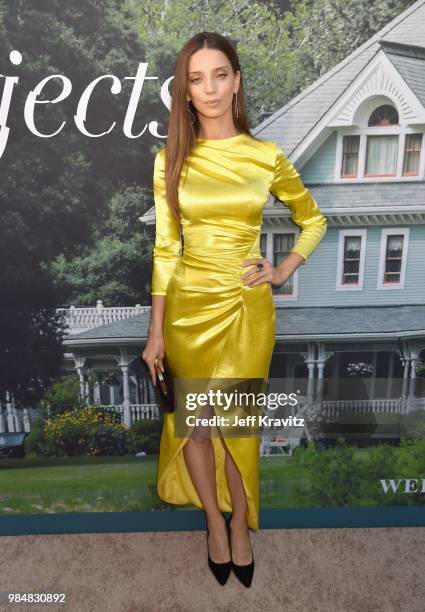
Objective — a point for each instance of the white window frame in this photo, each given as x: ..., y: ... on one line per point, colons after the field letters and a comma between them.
x: 269, y: 255
x: 363, y: 130
x: 389, y: 231
x: 362, y: 232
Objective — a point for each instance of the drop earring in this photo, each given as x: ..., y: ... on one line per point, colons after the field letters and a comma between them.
x: 192, y: 120
x: 236, y: 110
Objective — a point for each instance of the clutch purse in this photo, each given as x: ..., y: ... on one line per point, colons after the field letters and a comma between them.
x: 164, y: 388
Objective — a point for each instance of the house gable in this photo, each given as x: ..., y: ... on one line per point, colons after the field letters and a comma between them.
x: 379, y: 83
x: 379, y: 80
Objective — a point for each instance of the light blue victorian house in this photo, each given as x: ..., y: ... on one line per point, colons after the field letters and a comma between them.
x: 356, y: 135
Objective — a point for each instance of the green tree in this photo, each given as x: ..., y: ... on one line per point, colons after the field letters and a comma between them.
x: 116, y: 268
x: 256, y: 27
x: 54, y: 190
x: 324, y: 32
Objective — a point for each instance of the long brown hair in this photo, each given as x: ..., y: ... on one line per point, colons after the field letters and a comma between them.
x: 182, y: 134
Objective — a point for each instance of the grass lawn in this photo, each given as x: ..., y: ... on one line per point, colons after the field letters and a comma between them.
x: 114, y: 484
x: 84, y: 484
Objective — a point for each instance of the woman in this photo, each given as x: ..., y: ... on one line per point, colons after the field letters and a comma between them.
x: 213, y: 315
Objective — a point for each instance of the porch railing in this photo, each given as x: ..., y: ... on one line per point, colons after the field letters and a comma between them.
x: 338, y: 407
x: 79, y: 319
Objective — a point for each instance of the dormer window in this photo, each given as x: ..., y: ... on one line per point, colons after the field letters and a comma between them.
x: 380, y: 148
x: 412, y: 154
x: 381, y: 155
x: 350, y: 159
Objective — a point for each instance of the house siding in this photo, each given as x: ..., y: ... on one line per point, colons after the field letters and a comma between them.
x: 321, y: 166
x: 317, y: 280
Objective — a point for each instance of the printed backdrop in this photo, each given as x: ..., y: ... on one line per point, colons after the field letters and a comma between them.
x: 85, y: 97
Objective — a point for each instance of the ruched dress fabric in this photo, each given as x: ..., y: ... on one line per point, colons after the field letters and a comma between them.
x: 214, y: 325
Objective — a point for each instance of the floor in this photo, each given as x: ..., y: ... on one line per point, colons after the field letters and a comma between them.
x: 296, y: 570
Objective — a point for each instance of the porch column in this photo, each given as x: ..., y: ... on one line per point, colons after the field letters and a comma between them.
x: 412, y: 382
x: 81, y: 371
x: 124, y: 365
x: 310, y: 381
x: 126, y: 395
x: 403, y: 351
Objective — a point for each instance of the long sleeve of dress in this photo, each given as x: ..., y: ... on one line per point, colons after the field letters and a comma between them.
x: 288, y: 187
x: 166, y: 251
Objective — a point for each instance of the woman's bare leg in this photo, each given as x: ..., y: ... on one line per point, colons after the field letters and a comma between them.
x: 200, y: 461
x: 240, y: 541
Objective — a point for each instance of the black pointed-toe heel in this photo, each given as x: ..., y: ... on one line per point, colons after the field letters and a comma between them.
x: 220, y: 570
x: 244, y: 573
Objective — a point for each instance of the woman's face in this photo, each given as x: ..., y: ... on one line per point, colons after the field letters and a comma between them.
x: 211, y: 79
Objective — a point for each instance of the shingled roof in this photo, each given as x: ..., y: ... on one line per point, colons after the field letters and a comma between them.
x: 410, y: 63
x: 291, y: 323
x: 408, y: 197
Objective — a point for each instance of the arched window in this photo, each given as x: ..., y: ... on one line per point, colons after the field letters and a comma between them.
x: 384, y: 115
x: 381, y: 149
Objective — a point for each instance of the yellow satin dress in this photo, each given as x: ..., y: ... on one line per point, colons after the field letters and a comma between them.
x: 214, y: 325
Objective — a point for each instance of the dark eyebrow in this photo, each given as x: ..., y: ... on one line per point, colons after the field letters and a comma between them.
x: 200, y: 71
